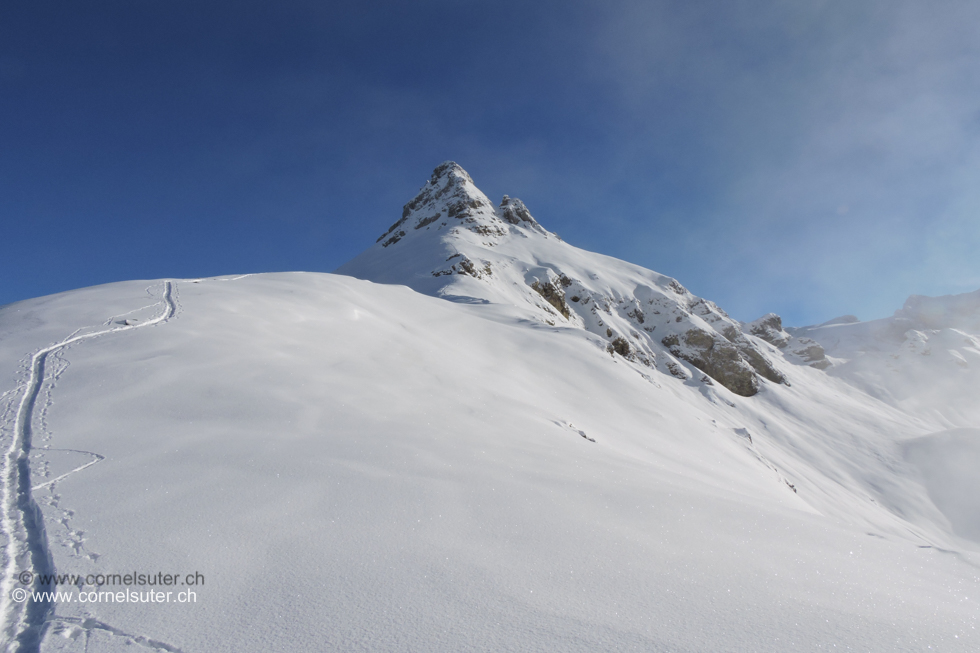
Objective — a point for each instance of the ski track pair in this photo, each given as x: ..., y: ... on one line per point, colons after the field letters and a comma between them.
x: 24, y: 625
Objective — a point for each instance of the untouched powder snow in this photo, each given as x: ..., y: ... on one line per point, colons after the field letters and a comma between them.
x: 360, y: 464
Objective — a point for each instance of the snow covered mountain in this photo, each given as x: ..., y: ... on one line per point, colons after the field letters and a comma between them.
x: 452, y: 242
x: 530, y: 447
x: 925, y: 359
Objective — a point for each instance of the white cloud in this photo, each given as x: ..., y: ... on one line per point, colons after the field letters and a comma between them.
x: 838, y: 141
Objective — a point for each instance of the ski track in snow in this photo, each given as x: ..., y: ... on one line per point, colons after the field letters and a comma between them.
x: 98, y: 458
x: 23, y: 625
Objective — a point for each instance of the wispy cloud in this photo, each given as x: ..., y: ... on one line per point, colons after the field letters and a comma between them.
x: 835, y: 142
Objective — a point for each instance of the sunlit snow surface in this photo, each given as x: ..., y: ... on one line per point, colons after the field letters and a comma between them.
x: 355, y: 466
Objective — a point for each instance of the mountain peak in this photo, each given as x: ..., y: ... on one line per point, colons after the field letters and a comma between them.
x: 449, y: 170
x: 450, y: 191
x: 452, y: 242
x: 451, y: 199
x: 450, y: 179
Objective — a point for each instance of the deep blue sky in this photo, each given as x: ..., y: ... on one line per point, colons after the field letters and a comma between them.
x: 813, y: 159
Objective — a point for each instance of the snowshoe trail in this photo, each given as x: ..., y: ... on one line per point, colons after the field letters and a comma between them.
x: 26, y: 551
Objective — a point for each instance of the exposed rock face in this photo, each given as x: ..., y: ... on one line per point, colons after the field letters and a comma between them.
x: 716, y: 357
x: 398, y: 235
x: 621, y: 346
x: 761, y: 364
x: 467, y: 267
x: 448, y: 181
x: 809, y: 351
x: 514, y: 211
x: 553, y: 294
x: 798, y: 350
x: 449, y: 196
x: 753, y: 356
x: 770, y: 328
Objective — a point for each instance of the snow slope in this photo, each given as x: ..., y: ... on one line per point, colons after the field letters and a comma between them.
x: 925, y: 359
x: 357, y: 465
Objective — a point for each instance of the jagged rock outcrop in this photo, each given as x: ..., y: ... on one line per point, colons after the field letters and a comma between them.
x: 716, y: 357
x: 769, y: 327
x: 752, y: 355
x: 620, y: 346
x: 762, y: 365
x: 553, y: 294
x: 809, y: 351
x: 513, y: 211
